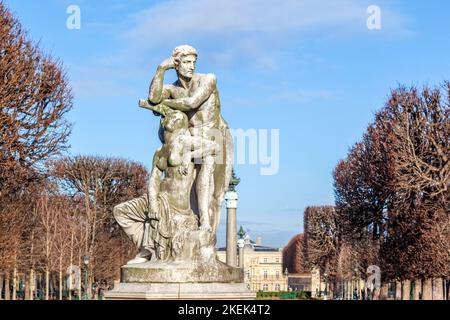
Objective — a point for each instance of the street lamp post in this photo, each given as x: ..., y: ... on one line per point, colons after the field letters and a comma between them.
x: 86, y: 263
x: 325, y: 275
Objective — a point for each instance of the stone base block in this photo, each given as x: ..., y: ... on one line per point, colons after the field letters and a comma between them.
x: 181, y: 272
x: 180, y: 291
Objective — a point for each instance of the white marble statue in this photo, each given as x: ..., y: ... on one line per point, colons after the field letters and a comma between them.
x: 179, y: 217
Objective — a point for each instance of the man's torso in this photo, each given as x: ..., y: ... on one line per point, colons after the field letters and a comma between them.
x: 209, y: 110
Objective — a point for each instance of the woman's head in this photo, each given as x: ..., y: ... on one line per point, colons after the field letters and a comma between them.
x: 175, y: 120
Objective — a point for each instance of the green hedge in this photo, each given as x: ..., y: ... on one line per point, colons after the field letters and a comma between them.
x: 282, y: 295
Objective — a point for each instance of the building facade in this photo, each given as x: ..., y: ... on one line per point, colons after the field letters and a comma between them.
x: 263, y: 266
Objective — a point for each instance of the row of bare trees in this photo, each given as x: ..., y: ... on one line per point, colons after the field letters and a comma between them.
x: 392, y: 200
x: 62, y: 220
x: 54, y: 210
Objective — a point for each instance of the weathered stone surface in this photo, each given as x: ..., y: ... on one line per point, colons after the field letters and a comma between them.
x: 175, y: 224
x: 192, y: 169
x: 180, y: 272
x: 180, y: 291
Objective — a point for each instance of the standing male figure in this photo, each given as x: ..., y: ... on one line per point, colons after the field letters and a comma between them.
x: 197, y: 95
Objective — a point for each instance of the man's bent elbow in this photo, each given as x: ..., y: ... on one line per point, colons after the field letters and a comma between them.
x: 153, y: 99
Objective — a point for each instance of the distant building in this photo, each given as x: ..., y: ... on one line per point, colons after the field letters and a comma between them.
x: 263, y: 265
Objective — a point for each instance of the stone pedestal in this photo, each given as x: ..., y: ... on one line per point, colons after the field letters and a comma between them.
x: 180, y: 280
x: 180, y: 291
x: 180, y: 272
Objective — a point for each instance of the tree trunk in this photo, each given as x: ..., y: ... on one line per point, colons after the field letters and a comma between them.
x: 346, y: 290
x: 417, y: 289
x: 406, y: 290
x: 7, y: 288
x: 363, y: 291
x: 447, y: 283
x: 398, y: 290
x: 427, y: 289
x: 351, y: 290
x: 27, y: 285
x: 1, y: 285
x: 38, y: 288
x: 38, y: 291
x: 31, y: 280
x: 90, y: 280
x: 69, y: 278
x: 331, y: 290
x: 60, y: 285
x: 47, y: 284
x: 32, y: 284
x: 438, y: 289
x: 54, y: 285
x: 384, y: 291
x: 80, y: 279
x: 14, y: 279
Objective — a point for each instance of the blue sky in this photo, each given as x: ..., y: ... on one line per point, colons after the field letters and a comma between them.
x: 311, y: 69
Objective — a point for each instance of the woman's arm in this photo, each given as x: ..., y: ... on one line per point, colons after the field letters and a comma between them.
x: 154, y: 187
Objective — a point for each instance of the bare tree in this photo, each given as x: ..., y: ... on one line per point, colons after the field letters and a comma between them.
x: 34, y: 98
x: 48, y: 211
x: 101, y: 183
x: 293, y: 258
x: 419, y: 223
x: 392, y: 189
x: 321, y: 238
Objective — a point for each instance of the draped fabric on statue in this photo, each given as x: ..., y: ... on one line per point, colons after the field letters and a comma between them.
x: 161, y: 231
x: 132, y: 216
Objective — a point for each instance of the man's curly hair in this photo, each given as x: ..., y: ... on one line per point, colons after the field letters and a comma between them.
x: 181, y: 51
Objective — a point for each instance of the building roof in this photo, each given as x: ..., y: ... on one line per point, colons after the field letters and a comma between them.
x: 252, y: 245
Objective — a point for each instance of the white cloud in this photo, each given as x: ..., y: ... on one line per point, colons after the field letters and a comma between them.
x: 249, y: 27
x: 232, y: 34
x: 188, y: 18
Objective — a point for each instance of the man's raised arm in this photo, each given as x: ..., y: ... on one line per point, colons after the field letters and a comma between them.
x: 200, y: 95
x: 155, y: 92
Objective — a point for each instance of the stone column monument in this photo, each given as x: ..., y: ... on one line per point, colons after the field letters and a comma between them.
x: 231, y: 198
x: 241, y: 244
x: 174, y: 224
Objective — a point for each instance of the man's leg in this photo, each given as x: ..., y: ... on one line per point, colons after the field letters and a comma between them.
x: 204, y: 189
x: 222, y: 175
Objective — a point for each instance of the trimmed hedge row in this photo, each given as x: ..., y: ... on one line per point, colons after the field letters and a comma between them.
x: 283, y: 294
